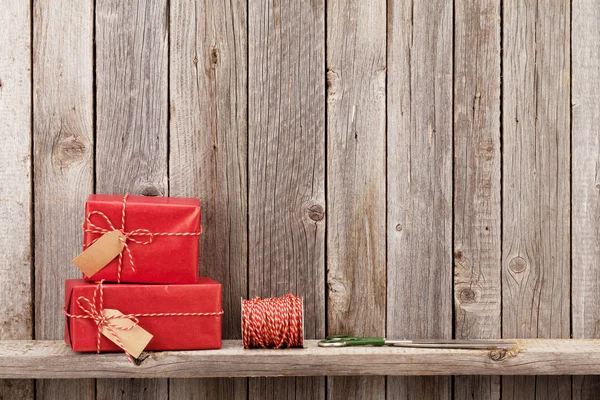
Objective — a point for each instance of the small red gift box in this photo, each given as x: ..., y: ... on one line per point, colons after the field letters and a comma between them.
x: 160, y: 234
x: 179, y: 317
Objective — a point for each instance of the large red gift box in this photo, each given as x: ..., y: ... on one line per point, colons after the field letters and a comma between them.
x: 179, y: 332
x: 168, y: 258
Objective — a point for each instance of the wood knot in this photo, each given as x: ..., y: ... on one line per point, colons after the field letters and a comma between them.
x: 68, y: 149
x: 150, y: 191
x: 458, y: 255
x: 143, y: 356
x: 316, y: 212
x: 467, y: 296
x: 498, y: 355
x: 214, y: 55
x: 517, y: 265
x: 399, y: 227
x: 332, y: 82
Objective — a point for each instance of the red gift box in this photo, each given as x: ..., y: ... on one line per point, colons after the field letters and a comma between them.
x: 163, y: 242
x: 173, y: 332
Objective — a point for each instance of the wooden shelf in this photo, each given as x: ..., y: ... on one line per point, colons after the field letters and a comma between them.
x: 53, y: 359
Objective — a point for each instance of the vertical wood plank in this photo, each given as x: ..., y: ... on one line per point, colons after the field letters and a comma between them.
x: 586, y: 181
x: 477, y: 209
x: 208, y: 155
x: 419, y: 182
x: 63, y: 163
x: 209, y: 389
x: 16, y: 310
x: 131, y: 128
x: 132, y: 389
x: 131, y: 98
x: 536, y: 195
x: 286, y: 142
x: 356, y: 194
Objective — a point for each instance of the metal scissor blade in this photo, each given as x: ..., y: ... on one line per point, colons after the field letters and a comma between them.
x: 453, y: 344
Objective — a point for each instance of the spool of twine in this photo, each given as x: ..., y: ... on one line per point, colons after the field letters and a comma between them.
x: 272, y: 323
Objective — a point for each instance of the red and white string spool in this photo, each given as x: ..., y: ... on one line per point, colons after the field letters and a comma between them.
x: 273, y: 323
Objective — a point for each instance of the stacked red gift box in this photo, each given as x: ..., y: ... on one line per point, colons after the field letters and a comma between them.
x: 141, y: 288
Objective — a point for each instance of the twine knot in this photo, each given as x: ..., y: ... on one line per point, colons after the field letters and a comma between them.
x: 93, y: 309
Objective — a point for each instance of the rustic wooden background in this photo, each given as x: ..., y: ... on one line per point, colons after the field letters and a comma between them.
x: 422, y: 169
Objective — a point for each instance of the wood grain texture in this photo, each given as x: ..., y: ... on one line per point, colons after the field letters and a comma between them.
x: 54, y: 359
x: 585, y: 197
x: 356, y: 192
x: 419, y: 181
x: 16, y: 389
x: 16, y: 303
x: 286, y: 172
x: 395, y: 184
x: 208, y: 154
x: 536, y: 168
x: 131, y: 124
x: 477, y: 209
x: 136, y: 389
x: 209, y: 388
x: 66, y: 388
x: 131, y: 97
x: 63, y: 163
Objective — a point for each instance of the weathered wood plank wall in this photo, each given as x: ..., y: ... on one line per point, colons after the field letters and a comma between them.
x: 63, y: 162
x: 132, y: 123
x: 419, y: 176
x: 585, y: 193
x: 16, y: 302
x: 536, y: 238
x: 207, y: 158
x: 477, y: 212
x: 409, y: 168
x: 286, y: 169
x: 356, y: 64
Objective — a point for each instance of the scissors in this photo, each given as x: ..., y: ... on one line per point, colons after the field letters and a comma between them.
x: 477, y: 344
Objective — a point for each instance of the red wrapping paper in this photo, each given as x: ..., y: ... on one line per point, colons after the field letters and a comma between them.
x: 170, y: 333
x: 168, y: 259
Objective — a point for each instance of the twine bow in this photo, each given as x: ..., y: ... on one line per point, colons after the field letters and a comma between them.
x: 127, y: 236
x: 93, y: 309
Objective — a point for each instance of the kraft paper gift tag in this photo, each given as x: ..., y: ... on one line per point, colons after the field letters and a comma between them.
x: 134, y: 340
x: 100, y: 253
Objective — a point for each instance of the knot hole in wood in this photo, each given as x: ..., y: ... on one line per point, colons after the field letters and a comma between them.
x: 150, y: 190
x: 316, y: 212
x: 498, y: 355
x: 214, y: 55
x: 467, y: 296
x: 517, y: 265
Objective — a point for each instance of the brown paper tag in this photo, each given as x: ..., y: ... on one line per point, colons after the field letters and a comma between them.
x: 100, y: 253
x: 134, y: 340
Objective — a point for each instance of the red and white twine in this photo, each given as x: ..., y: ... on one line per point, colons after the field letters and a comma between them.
x: 272, y: 323
x: 93, y: 309
x: 90, y: 227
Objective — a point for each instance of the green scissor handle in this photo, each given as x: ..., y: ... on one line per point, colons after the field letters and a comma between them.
x: 345, y: 340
